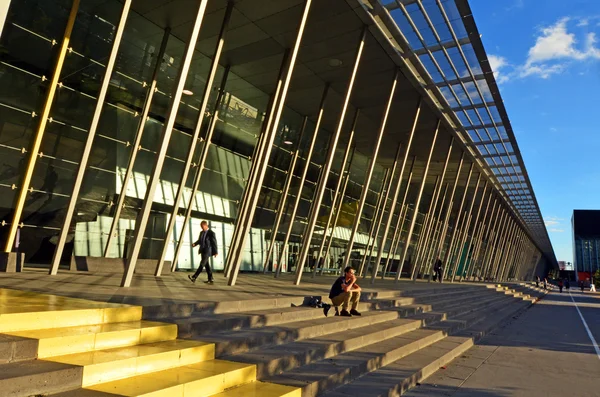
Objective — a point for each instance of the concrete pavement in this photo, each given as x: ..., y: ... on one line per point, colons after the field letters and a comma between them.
x: 546, y: 351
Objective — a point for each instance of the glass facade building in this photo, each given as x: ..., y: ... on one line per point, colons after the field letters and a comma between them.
x: 310, y: 134
x: 586, y: 242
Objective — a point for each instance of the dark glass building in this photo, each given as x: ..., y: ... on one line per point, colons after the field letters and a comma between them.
x: 311, y: 134
x: 586, y: 242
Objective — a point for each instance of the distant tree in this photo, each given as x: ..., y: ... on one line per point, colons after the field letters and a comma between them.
x: 596, y: 279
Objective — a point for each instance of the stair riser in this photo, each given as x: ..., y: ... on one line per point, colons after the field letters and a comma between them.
x: 82, y: 343
x: 13, y: 349
x: 42, y: 384
x: 285, y: 336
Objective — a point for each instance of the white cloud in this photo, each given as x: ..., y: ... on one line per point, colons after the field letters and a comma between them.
x: 553, y: 129
x: 552, y: 221
x: 556, y: 230
x: 497, y: 63
x: 555, y: 49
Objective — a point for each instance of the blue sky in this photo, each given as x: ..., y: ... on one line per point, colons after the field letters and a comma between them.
x: 547, y: 61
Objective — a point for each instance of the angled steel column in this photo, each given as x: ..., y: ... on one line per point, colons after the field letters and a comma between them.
x: 486, y: 238
x: 383, y: 207
x: 465, y: 231
x: 479, y: 232
x: 309, y: 154
x: 445, y: 225
x: 197, y: 178
x: 263, y: 161
x: 136, y: 146
x: 142, y: 218
x: 492, y: 245
x: 378, y: 210
x: 448, y: 257
x: 339, y: 208
x: 401, y: 217
x: 64, y: 231
x: 475, y: 230
x: 433, y: 209
x: 367, y: 182
x: 195, y: 135
x: 333, y: 211
x: 413, y: 220
x: 508, y: 251
x: 284, y: 196
x: 431, y: 243
x: 325, y: 172
x: 423, y: 235
x: 257, y: 154
x: 500, y: 243
x: 36, y: 142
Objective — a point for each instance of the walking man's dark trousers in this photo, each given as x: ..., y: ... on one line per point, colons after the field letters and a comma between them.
x: 207, y: 243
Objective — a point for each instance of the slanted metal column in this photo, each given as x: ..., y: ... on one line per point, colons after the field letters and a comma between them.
x: 379, y: 208
x: 284, y: 195
x: 325, y: 171
x: 200, y: 169
x: 448, y: 257
x: 332, y: 212
x: 235, y: 257
x: 480, y: 233
x: 195, y: 135
x: 339, y: 206
x: 423, y: 248
x: 495, y: 234
x: 136, y: 146
x: 258, y: 153
x: 508, y: 250
x: 465, y: 230
x: 475, y: 230
x: 431, y: 245
x: 87, y: 148
x: 423, y: 235
x: 142, y: 218
x: 36, y: 142
x: 400, y: 221
x: 500, y: 244
x: 440, y: 246
x: 382, y: 215
x: 309, y: 154
x: 413, y: 220
x: 367, y: 182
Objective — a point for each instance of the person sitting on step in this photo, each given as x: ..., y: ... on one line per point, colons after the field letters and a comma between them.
x: 345, y: 291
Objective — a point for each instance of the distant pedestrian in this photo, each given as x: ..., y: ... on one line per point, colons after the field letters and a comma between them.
x: 545, y: 282
x: 567, y: 284
x: 208, y: 247
x: 581, y: 285
x: 437, y: 270
x: 560, y: 285
x: 537, y: 282
x: 592, y: 287
x: 344, y: 292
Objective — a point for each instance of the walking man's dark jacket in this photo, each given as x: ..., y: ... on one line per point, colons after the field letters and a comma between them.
x: 207, y: 243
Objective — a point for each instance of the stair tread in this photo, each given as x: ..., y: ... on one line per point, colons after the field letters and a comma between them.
x: 122, y: 353
x: 261, y: 389
x: 170, y: 380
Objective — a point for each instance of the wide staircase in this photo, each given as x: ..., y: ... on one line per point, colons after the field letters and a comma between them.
x: 275, y: 346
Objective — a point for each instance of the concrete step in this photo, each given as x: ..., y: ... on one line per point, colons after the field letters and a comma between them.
x: 102, y: 366
x: 180, y: 310
x: 429, y: 298
x: 233, y: 342
x: 38, y: 378
x: 207, y: 378
x: 69, y: 340
x: 261, y: 389
x: 15, y: 349
x: 414, y: 292
x: 397, y: 377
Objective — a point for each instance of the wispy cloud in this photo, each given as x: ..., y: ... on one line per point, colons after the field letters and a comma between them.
x: 552, y: 221
x: 555, y: 49
x: 553, y: 230
x: 553, y: 129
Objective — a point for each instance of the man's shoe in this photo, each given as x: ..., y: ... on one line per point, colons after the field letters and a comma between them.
x: 326, y: 309
x: 345, y: 313
x: 209, y: 282
x: 192, y: 279
x: 337, y: 311
x: 355, y: 312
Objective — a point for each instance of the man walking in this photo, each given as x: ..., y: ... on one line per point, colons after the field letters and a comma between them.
x: 437, y: 270
x: 208, y: 247
x: 343, y: 292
